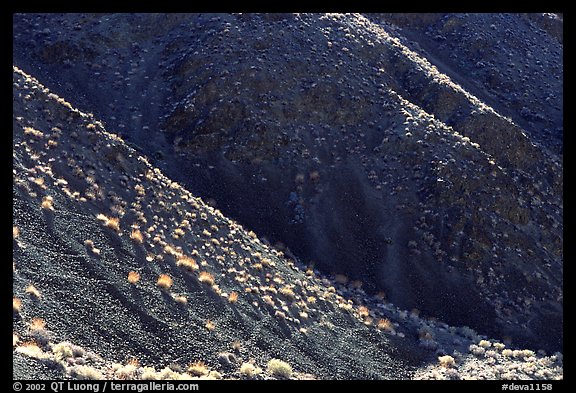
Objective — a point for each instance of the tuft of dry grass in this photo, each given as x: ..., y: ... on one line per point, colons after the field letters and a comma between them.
x: 168, y: 249
x: 133, y: 361
x: 87, y: 372
x: 62, y: 351
x: 249, y: 370
x: 140, y: 190
x: 279, y: 368
x: 363, y: 311
x: 31, y: 349
x: 164, y: 281
x: 287, y: 292
x: 181, y: 299
x: 16, y: 304
x: 206, y: 278
x: 178, y: 233
x: 198, y: 369
x: 446, y: 361
x: 236, y: 345
x: 126, y: 372
x: 35, y: 293
x: 33, y: 132
x: 48, y: 203
x: 187, y: 263
x: 137, y: 236
x: 385, y: 324
x: 233, y: 297
x: 484, y: 343
x: 149, y: 374
x: 15, y: 339
x: 268, y: 300
x: 90, y: 243
x: 15, y: 232
x: 133, y: 277
x: 110, y: 222
x: 37, y: 324
x: 113, y: 223
x: 210, y: 325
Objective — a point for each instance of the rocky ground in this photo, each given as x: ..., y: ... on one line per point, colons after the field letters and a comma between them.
x: 387, y: 178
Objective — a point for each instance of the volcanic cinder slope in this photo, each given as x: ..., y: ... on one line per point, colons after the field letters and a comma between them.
x: 114, y: 262
x: 121, y: 273
x: 420, y: 154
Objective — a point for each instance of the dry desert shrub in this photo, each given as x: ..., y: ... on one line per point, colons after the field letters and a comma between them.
x: 249, y: 370
x: 137, y: 236
x: 279, y: 368
x: 198, y: 369
x: 181, y: 299
x: 16, y: 304
x: 446, y: 361
x: 187, y: 263
x: 164, y: 281
x: 133, y: 277
x: 385, y: 324
x: 48, y: 203
x: 233, y: 297
x: 210, y: 325
x: 206, y: 278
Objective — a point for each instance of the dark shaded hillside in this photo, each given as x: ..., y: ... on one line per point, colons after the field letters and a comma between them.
x: 334, y: 134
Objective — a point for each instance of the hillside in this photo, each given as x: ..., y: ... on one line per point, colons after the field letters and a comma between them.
x: 386, y: 178
x: 121, y: 273
x: 88, y: 211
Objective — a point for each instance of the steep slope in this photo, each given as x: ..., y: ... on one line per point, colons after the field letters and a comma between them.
x: 95, y: 229
x: 120, y: 273
x: 491, y: 55
x: 334, y: 135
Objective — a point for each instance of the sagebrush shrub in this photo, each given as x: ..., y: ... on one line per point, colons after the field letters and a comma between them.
x: 279, y: 368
